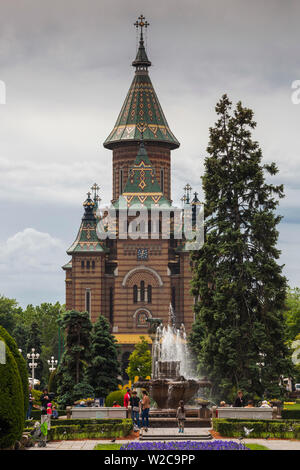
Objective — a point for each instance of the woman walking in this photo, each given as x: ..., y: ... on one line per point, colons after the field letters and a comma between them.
x: 180, y: 415
x: 145, y: 410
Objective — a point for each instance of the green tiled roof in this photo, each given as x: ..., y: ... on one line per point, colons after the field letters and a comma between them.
x: 142, y: 186
x: 141, y: 115
x: 87, y: 240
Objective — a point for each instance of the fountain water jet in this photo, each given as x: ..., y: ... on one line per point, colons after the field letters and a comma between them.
x: 172, y: 379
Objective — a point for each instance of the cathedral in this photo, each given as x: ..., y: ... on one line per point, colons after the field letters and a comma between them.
x: 132, y: 280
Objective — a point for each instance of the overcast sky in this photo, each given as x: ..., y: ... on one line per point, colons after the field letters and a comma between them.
x: 67, y: 68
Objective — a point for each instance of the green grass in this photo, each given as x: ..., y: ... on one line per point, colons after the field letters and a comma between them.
x: 256, y: 447
x: 107, y: 447
x: 292, y: 407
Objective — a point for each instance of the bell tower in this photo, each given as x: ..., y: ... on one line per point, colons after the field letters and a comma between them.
x: 141, y: 118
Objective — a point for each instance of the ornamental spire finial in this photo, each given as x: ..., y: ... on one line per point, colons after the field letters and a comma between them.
x: 142, y: 23
x: 141, y: 59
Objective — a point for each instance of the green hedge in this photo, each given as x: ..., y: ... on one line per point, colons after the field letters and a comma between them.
x: 21, y: 364
x: 11, y: 402
x: 261, y: 429
x: 290, y: 414
x: 89, y: 429
x: 117, y: 395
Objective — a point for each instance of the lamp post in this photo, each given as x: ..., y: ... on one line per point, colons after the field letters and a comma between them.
x: 33, y: 365
x: 51, y: 363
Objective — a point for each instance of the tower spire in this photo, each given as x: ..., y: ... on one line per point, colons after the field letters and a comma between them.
x: 141, y: 61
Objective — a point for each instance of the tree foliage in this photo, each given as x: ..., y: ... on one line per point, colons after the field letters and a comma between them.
x: 140, y: 360
x: 238, y: 334
x: 104, y: 368
x: 71, y: 370
x: 11, y: 401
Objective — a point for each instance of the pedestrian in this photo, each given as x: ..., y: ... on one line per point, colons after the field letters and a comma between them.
x: 45, y: 415
x: 49, y: 409
x: 265, y: 404
x: 145, y: 410
x: 239, y: 401
x: 250, y: 404
x: 222, y: 404
x: 54, y: 412
x: 136, y: 408
x: 180, y: 415
x: 127, y: 401
x: 116, y: 405
x: 30, y: 403
x: 44, y: 401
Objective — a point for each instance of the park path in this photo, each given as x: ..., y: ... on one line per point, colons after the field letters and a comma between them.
x: 90, y: 444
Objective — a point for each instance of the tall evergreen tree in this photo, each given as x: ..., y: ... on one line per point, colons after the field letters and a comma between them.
x: 71, y: 370
x: 238, y: 334
x: 104, y: 368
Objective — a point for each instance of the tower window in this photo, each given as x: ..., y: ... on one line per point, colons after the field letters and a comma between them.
x: 142, y: 291
x: 88, y: 265
x: 135, y: 294
x: 121, y: 181
x: 111, y: 305
x: 93, y: 264
x: 82, y: 264
x: 149, y: 294
x: 173, y: 299
x: 162, y: 182
x: 88, y: 301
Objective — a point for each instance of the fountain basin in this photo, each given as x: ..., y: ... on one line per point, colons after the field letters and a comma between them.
x: 168, y: 392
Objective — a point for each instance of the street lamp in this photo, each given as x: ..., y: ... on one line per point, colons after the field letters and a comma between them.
x: 51, y: 363
x: 33, y: 365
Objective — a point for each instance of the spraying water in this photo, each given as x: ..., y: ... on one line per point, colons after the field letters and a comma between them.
x: 170, y: 347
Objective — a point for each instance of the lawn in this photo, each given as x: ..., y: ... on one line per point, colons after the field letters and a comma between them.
x: 256, y: 447
x: 107, y: 447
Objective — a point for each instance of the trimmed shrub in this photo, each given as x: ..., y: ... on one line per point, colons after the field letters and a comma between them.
x: 261, y: 428
x: 21, y: 364
x: 117, y: 396
x: 11, y: 402
x: 290, y: 414
x: 89, y: 429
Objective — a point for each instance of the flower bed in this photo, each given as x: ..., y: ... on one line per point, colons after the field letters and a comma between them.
x: 185, y: 445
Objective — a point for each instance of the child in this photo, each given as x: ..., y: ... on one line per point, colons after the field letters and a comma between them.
x: 49, y: 409
x: 54, y: 413
x: 180, y: 415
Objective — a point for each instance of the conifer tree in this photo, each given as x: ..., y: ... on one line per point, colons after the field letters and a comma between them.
x: 104, y: 368
x: 238, y: 334
x: 71, y: 370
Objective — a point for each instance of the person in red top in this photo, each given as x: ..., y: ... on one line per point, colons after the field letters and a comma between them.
x: 127, y: 398
x: 116, y: 405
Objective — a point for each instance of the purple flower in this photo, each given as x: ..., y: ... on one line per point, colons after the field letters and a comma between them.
x: 185, y: 445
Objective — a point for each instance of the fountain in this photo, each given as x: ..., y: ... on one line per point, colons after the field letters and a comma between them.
x: 172, y: 377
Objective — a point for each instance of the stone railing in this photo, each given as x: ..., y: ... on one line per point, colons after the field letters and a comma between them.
x: 102, y: 412
x: 245, y: 413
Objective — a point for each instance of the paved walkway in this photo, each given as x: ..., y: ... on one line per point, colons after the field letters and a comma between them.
x: 90, y: 444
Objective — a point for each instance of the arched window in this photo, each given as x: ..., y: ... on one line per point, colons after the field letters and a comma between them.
x: 87, y: 265
x: 93, y: 264
x: 135, y: 294
x: 82, y: 264
x: 149, y: 294
x: 142, y: 291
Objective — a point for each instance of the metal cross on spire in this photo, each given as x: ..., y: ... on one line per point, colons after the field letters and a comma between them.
x: 142, y: 23
x: 95, y: 188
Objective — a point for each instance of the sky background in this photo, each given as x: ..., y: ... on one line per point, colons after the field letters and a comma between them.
x: 67, y: 68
